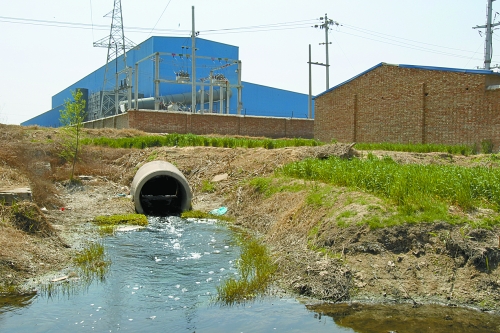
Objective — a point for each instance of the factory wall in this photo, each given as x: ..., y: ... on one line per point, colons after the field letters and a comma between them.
x: 52, y: 117
x: 257, y: 99
x: 204, y: 124
x: 46, y: 119
x: 412, y: 104
x: 261, y: 100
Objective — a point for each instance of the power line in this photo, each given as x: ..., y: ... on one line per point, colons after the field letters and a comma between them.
x: 412, y: 47
x: 160, y: 17
x: 302, y: 24
x: 77, y: 25
x: 292, y: 24
x: 381, y: 35
x: 92, y: 20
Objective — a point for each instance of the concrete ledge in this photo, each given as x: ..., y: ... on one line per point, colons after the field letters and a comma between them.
x: 9, y: 196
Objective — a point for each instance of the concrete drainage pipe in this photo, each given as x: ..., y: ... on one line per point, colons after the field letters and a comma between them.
x: 159, y: 188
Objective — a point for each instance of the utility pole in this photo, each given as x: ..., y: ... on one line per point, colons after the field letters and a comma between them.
x: 309, y: 113
x: 309, y: 102
x: 489, y: 33
x: 326, y: 25
x: 193, y: 63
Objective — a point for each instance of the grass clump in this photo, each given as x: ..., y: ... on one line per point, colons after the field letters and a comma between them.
x: 190, y: 140
x: 91, y: 262
x: 26, y: 216
x: 465, y: 150
x: 108, y: 223
x: 207, y: 186
x: 255, y: 271
x: 130, y: 219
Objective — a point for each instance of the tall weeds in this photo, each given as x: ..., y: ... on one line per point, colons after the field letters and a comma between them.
x: 415, y: 188
x: 188, y: 140
x: 419, y: 148
x: 255, y: 271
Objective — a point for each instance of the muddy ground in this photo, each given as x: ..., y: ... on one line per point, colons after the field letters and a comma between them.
x: 418, y: 263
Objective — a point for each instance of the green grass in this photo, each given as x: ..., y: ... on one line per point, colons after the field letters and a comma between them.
x: 113, y: 220
x: 108, y: 223
x: 91, y: 262
x: 420, y: 192
x: 207, y: 186
x: 271, y: 185
x: 189, y: 140
x: 255, y: 271
x: 419, y: 148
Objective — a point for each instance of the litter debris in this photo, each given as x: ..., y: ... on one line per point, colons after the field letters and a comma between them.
x: 218, y: 211
x: 62, y: 278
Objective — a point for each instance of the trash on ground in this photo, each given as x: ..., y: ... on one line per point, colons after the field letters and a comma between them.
x: 218, y: 211
x: 62, y: 278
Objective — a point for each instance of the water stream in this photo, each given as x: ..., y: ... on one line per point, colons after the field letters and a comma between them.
x: 163, y: 279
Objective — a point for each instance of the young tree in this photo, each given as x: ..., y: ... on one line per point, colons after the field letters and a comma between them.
x: 71, y: 117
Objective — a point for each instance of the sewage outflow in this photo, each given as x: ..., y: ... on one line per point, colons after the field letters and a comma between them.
x: 163, y: 279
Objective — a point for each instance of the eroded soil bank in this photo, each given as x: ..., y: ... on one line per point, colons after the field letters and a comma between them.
x: 418, y: 263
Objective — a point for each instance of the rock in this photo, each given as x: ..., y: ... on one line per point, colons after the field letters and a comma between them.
x: 219, y: 177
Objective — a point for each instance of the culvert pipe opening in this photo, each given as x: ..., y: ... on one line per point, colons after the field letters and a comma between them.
x: 159, y: 188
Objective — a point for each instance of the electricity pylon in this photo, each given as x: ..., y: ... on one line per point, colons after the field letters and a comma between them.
x: 117, y: 45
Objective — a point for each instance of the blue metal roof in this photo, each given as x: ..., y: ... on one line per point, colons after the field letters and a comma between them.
x: 429, y: 68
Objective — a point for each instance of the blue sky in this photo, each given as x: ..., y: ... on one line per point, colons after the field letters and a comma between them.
x: 41, y: 55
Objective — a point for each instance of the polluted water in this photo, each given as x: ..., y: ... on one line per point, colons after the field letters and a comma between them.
x: 164, y: 278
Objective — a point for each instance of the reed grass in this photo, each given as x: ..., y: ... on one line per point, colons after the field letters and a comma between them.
x: 90, y: 264
x: 465, y: 150
x: 255, y: 271
x: 421, y: 192
x: 190, y: 140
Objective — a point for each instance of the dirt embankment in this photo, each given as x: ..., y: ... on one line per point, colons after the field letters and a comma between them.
x: 434, y: 262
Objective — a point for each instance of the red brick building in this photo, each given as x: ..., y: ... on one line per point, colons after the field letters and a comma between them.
x: 412, y: 104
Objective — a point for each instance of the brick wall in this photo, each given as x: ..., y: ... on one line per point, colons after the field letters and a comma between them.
x: 402, y: 105
x: 119, y: 121
x: 203, y: 124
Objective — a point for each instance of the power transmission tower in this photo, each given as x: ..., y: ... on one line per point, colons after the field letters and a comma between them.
x: 489, y: 34
x: 325, y: 24
x: 117, y: 45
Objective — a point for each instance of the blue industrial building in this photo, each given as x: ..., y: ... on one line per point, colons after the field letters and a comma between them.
x: 159, y: 75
